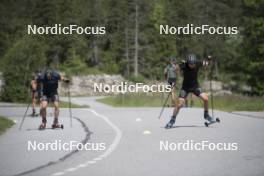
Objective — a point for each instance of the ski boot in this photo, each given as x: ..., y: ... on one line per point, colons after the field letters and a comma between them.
x: 43, y: 124
x: 170, y: 123
x: 56, y: 124
x: 210, y: 120
x: 33, y: 113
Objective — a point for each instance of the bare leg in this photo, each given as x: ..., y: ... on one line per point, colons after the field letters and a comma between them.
x: 33, y: 102
x: 43, y: 108
x: 173, y: 97
x: 56, y: 111
x: 175, y: 113
x: 186, y: 102
x: 177, y: 108
x: 204, y: 97
x: 192, y: 102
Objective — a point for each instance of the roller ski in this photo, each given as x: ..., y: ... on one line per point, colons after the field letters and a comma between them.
x: 34, y: 114
x: 210, y: 120
x: 170, y: 124
x: 43, y: 124
x: 56, y: 125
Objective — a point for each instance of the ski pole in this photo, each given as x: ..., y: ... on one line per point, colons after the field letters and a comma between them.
x: 23, y: 119
x: 212, y: 96
x: 25, y: 114
x: 165, y: 102
x: 69, y: 100
x: 211, y: 89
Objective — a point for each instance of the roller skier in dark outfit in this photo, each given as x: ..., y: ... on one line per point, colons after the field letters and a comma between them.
x: 49, y: 82
x: 34, y: 95
x: 190, y: 84
x: 35, y: 92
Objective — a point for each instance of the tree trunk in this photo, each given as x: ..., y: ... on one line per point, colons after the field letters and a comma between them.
x: 136, y: 41
x: 127, y: 53
x: 95, y: 53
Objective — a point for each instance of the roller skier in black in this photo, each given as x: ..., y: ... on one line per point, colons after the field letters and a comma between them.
x: 190, y: 84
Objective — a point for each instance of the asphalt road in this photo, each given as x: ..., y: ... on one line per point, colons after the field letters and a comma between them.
x: 132, y: 138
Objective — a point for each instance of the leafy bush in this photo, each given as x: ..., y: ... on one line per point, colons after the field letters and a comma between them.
x: 21, y: 60
x: 77, y: 67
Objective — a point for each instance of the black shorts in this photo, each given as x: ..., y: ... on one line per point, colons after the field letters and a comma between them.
x: 34, y: 94
x: 172, y: 81
x: 39, y: 93
x: 52, y: 97
x: 185, y: 91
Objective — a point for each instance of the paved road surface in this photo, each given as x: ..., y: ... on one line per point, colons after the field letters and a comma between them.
x: 132, y: 138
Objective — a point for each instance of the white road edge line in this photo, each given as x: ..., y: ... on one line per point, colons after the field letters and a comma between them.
x: 111, y: 148
x: 72, y: 169
x: 58, y: 173
x: 97, y: 159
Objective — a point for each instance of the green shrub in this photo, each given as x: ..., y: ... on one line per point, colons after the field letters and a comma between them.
x: 21, y: 60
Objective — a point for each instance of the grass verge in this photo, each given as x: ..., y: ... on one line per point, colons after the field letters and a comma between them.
x: 237, y: 103
x: 64, y: 104
x: 225, y: 103
x: 5, y: 124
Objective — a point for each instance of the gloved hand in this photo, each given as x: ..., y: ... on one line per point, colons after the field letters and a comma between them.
x: 209, y: 57
x: 183, y: 62
x: 66, y: 80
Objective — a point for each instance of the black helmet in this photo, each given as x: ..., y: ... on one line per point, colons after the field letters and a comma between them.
x: 191, y: 59
x: 48, y: 73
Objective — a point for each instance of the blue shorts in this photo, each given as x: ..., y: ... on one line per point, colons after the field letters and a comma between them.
x: 50, y: 97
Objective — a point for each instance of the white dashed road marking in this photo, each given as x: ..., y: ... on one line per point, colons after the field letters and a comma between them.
x: 58, y: 173
x: 138, y: 120
x: 105, y: 154
x: 82, y: 165
x: 97, y: 159
x: 146, y: 132
x: 72, y: 169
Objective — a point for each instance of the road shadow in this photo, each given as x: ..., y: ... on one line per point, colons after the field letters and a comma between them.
x: 36, y: 129
x: 185, y: 126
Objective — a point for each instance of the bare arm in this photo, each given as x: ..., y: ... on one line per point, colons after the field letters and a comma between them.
x: 165, y: 73
x: 62, y: 78
x: 177, y: 69
x: 34, y: 85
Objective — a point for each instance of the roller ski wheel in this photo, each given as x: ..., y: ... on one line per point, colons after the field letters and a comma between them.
x: 54, y: 126
x: 207, y: 124
x: 42, y: 126
x: 34, y: 115
x: 170, y: 124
